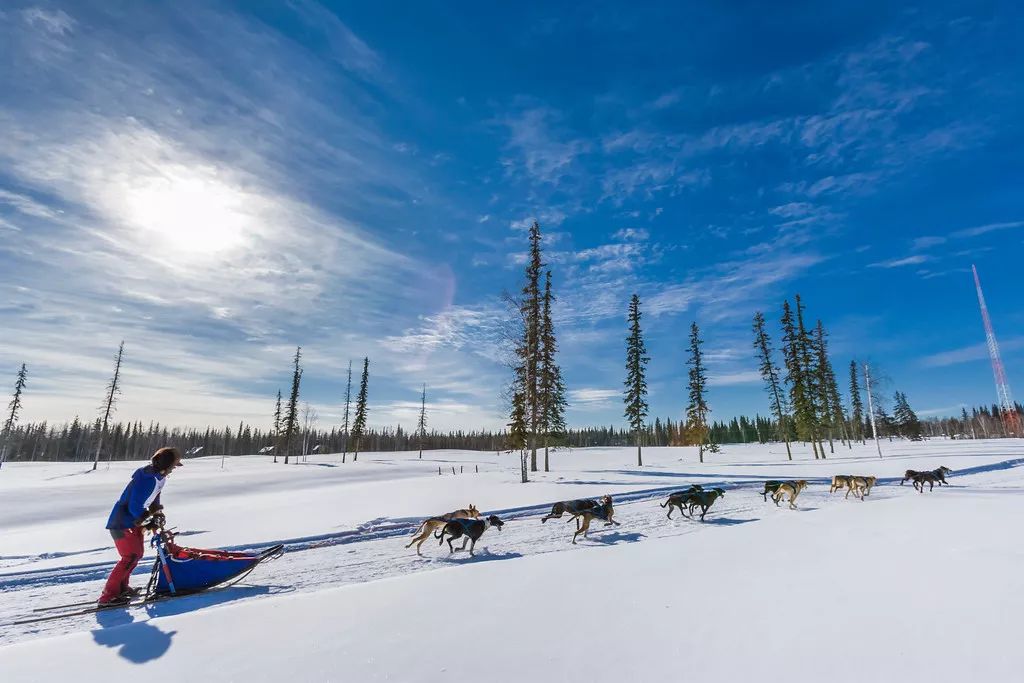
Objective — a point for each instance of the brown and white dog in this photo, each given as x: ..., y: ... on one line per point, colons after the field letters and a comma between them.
x: 430, y: 525
x: 840, y: 481
x: 793, y: 488
x: 605, y: 512
x: 472, y: 529
x: 860, y: 486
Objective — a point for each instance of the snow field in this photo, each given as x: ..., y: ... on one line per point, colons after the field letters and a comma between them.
x: 897, y: 575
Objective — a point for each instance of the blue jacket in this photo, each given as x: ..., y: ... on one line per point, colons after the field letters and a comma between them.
x: 141, y: 492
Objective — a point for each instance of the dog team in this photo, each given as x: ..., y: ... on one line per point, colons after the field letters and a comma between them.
x: 466, y: 523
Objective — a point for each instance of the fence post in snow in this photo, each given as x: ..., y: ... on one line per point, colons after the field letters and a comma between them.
x: 439, y: 470
x: 453, y: 469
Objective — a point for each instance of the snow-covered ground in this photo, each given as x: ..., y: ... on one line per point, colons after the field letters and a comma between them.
x: 903, y: 586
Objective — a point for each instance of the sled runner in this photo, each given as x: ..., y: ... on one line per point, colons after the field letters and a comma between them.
x: 177, y: 571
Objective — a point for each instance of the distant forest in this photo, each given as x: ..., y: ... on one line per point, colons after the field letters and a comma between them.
x: 76, y: 441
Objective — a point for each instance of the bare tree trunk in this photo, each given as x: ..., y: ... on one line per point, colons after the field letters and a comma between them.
x: 871, y: 409
x: 111, y: 396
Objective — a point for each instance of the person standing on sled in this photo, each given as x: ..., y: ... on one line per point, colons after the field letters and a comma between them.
x: 131, y: 515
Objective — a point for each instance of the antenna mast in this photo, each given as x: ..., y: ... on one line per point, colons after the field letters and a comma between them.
x: 1008, y: 411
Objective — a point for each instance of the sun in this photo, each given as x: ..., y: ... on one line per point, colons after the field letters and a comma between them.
x: 187, y: 211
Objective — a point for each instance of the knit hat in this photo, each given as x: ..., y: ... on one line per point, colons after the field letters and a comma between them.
x: 166, y: 457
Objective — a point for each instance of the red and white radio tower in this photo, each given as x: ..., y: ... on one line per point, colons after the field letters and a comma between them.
x: 1009, y: 411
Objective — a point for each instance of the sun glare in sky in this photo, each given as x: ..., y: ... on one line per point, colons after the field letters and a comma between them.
x: 187, y: 211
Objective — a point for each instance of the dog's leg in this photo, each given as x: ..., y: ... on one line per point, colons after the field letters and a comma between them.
x: 471, y: 547
x: 464, y: 542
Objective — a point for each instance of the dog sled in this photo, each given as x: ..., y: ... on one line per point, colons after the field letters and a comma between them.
x: 177, y: 571
x: 182, y: 571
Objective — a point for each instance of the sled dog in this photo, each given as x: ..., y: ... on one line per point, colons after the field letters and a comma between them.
x: 771, y: 486
x: 472, y: 529
x: 704, y: 500
x: 605, y: 511
x: 840, y: 481
x: 572, y: 507
x: 930, y: 478
x: 860, y: 486
x: 433, y: 523
x: 793, y: 488
x: 680, y: 498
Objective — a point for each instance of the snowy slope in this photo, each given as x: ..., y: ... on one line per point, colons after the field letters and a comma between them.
x: 890, y: 581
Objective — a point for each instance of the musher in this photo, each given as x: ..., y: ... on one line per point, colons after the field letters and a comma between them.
x: 136, y: 510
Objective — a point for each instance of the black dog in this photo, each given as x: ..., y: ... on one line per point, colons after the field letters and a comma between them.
x: 573, y: 507
x: 472, y: 529
x: 771, y: 486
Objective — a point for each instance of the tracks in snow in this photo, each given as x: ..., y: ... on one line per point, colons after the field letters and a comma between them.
x: 375, y: 550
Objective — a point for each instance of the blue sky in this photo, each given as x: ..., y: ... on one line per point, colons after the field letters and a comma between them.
x: 218, y: 182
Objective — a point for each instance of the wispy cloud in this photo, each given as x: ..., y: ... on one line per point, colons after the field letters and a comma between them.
x: 968, y: 354
x: 987, y: 228
x: 914, y: 260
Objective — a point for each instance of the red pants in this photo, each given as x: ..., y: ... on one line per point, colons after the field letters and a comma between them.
x: 130, y: 546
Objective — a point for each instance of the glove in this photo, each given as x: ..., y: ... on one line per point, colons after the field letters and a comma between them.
x: 154, y: 522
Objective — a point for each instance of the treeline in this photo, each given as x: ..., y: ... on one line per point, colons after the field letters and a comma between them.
x: 77, y: 441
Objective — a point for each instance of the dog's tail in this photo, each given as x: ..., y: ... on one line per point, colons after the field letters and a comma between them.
x: 665, y: 504
x: 420, y: 529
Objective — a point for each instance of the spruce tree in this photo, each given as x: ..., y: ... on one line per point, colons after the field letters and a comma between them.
x: 277, y: 424
x: 697, y: 410
x: 359, y: 422
x: 816, y: 408
x: 421, y: 426
x: 905, y: 419
x: 830, y: 402
x: 551, y: 386
x: 770, y: 374
x: 348, y: 403
x: 856, y: 406
x: 13, y: 408
x: 636, y: 382
x: 532, y: 318
x: 967, y: 422
x: 291, y: 418
x: 796, y: 377
x: 109, y: 403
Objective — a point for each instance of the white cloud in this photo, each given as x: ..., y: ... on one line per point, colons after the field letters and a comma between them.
x: 591, y: 399
x: 55, y: 22
x: 990, y: 227
x: 734, y: 378
x: 632, y: 234
x: 927, y: 242
x: 906, y: 261
x: 968, y: 354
